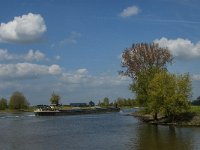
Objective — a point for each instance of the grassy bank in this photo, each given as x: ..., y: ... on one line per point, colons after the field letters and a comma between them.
x: 31, y: 109
x: 191, y: 118
x: 195, y: 109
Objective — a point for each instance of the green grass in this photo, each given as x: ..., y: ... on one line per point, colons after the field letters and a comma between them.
x: 31, y: 109
x: 195, y: 109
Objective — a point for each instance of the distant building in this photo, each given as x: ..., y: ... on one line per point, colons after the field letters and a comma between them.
x: 78, y: 104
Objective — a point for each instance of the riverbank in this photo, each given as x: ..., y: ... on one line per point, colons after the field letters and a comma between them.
x: 191, y: 118
x: 16, y: 110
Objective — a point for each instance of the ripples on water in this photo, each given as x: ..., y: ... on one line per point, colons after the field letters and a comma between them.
x: 112, y: 131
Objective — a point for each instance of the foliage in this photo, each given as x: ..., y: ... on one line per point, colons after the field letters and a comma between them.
x: 195, y: 109
x: 91, y: 103
x: 105, y: 103
x: 141, y: 85
x: 119, y: 102
x: 169, y: 93
x: 55, y: 98
x: 18, y: 101
x: 155, y: 88
x: 122, y: 102
x: 142, y: 61
x: 142, y: 56
x: 3, y: 104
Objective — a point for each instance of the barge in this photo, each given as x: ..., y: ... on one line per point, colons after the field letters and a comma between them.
x: 75, y: 111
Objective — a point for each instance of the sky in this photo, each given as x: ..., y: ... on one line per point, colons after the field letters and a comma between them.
x: 74, y: 47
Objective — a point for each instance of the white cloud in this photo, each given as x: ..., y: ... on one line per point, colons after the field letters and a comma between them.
x: 196, y: 77
x: 82, y: 77
x: 181, y: 48
x: 30, y: 56
x: 27, y: 70
x: 82, y: 71
x: 23, y: 29
x: 37, y: 55
x: 78, y: 85
x: 129, y: 11
x: 71, y: 39
x: 57, y: 57
x: 54, y: 69
x: 4, y: 55
x: 78, y: 77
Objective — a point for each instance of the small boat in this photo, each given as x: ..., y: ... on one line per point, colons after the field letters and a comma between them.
x: 74, y: 111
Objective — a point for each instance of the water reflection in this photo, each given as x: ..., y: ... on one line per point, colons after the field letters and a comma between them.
x: 152, y: 137
x: 104, y: 131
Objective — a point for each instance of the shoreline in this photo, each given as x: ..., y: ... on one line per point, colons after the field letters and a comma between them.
x: 190, y: 119
x: 16, y: 111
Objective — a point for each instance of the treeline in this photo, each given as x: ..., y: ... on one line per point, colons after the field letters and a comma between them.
x: 119, y: 102
x: 17, y: 101
x: 196, y: 102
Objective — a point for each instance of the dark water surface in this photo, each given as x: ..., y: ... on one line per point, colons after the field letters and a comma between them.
x: 112, y: 131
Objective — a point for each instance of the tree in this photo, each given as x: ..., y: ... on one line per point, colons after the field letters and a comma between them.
x: 18, y: 101
x: 55, y: 98
x: 106, y: 101
x: 197, y: 101
x: 169, y: 94
x: 142, y: 56
x: 142, y: 61
x: 3, y: 104
x: 91, y: 103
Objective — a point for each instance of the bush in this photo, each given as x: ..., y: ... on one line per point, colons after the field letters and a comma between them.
x: 3, y: 104
x: 18, y: 101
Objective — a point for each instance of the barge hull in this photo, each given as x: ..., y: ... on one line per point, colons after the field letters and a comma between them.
x: 76, y: 112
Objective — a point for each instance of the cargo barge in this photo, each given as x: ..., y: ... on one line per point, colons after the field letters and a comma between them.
x: 75, y: 111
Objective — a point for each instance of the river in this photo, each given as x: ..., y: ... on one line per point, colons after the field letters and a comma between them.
x: 111, y: 131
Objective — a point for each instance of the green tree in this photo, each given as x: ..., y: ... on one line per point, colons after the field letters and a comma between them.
x: 55, y: 98
x: 142, y: 61
x: 169, y: 94
x: 18, y: 101
x: 106, y: 101
x: 180, y: 101
x: 161, y: 89
x: 120, y: 101
x: 197, y: 101
x: 3, y: 104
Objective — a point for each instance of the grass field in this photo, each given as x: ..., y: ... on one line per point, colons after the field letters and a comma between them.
x: 195, y: 109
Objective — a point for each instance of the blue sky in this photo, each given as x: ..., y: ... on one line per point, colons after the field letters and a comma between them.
x: 73, y: 47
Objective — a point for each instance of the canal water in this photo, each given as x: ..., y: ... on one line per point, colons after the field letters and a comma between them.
x: 111, y: 131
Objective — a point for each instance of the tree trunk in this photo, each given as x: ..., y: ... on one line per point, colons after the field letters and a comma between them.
x: 155, y: 116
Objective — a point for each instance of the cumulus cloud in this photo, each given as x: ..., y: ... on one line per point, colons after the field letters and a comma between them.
x: 27, y: 70
x: 129, y: 11
x: 78, y: 77
x: 82, y: 76
x: 23, y: 29
x: 181, y: 48
x: 4, y: 55
x: 30, y: 56
x: 54, y: 69
x: 34, y: 55
x: 77, y: 85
